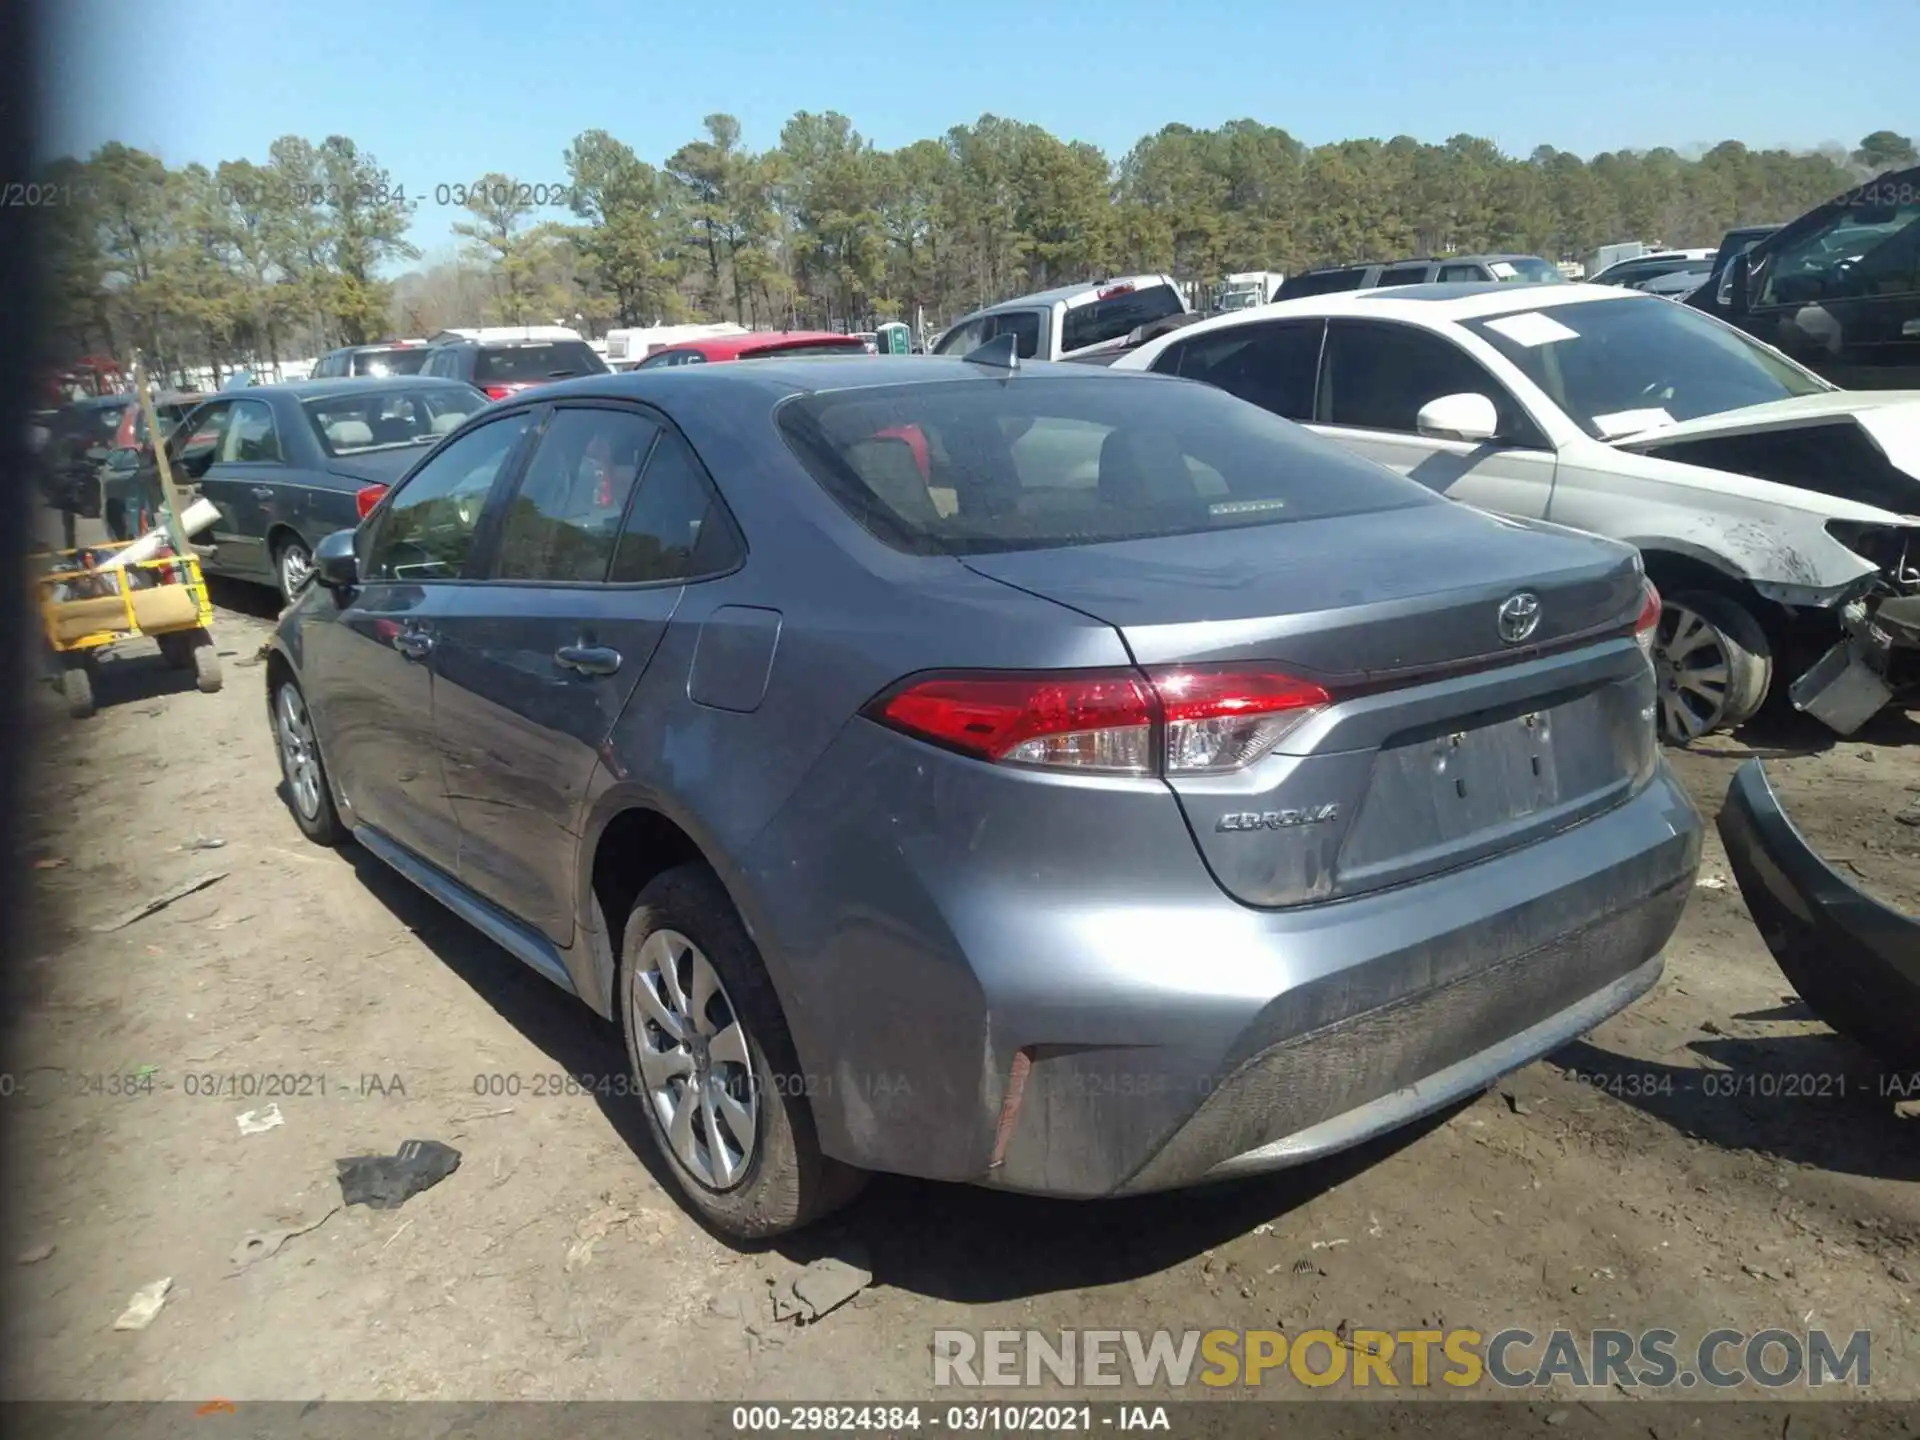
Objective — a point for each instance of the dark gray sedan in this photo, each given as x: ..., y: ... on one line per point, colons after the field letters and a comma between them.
x: 285, y: 463
x: 1045, y: 778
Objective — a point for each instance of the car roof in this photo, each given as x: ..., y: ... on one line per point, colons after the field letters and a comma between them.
x: 343, y: 385
x: 777, y: 377
x: 732, y: 347
x: 1062, y: 292
x: 1426, y: 304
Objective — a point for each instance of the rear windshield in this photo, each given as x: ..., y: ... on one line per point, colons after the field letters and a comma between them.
x: 974, y: 467
x: 1099, y: 321
x: 390, y: 362
x: 552, y: 360
x: 357, y: 421
x: 1325, y: 282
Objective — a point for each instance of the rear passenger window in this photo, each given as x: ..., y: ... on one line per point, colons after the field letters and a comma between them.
x: 563, y: 523
x: 1273, y: 366
x: 677, y: 528
x: 1462, y: 272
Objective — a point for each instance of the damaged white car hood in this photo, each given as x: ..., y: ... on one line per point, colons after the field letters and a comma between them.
x: 1890, y: 418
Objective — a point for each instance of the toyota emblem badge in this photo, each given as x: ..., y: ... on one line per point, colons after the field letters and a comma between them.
x: 1519, y: 617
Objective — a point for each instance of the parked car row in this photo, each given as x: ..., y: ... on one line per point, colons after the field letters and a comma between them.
x: 1423, y: 270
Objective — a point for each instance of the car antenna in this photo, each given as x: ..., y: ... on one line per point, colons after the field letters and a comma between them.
x: 999, y: 353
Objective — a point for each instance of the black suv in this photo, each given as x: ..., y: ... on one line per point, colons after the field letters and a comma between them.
x: 396, y: 357
x: 1419, y: 271
x: 1838, y: 289
x: 506, y: 367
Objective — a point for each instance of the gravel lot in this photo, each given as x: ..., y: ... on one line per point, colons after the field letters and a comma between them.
x: 556, y: 1263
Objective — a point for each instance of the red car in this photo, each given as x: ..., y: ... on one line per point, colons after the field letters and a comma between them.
x: 756, y: 346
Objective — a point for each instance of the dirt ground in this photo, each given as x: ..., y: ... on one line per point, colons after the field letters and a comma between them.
x: 556, y: 1263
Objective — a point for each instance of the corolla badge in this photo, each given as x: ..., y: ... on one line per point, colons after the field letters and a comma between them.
x: 1277, y: 819
x: 1519, y: 616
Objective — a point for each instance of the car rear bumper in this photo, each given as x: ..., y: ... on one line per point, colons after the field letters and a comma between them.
x: 978, y: 1006
x: 1855, y: 961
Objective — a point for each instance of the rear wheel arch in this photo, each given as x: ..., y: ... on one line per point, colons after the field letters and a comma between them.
x: 279, y: 669
x: 634, y: 841
x: 630, y: 840
x: 280, y: 533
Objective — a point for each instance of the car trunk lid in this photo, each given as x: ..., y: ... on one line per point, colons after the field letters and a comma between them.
x: 1449, y: 735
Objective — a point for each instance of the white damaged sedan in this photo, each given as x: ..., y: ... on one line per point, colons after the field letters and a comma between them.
x: 1779, y: 516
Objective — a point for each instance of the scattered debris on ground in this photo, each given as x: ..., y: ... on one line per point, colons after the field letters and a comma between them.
x: 257, y: 1122
x: 386, y: 1182
x: 159, y: 902
x: 590, y: 1232
x: 258, y: 1245
x: 818, y: 1289
x: 144, y: 1305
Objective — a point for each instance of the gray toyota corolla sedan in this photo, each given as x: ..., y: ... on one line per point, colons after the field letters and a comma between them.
x: 1036, y: 777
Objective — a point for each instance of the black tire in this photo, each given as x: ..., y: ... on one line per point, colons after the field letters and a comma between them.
x: 206, y: 664
x: 1748, y: 655
x: 291, y: 549
x: 788, y: 1183
x: 322, y: 825
x: 76, y: 686
x: 176, y: 649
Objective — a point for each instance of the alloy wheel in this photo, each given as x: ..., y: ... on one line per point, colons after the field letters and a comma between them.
x: 298, y: 753
x: 1693, y: 669
x: 296, y: 566
x: 694, y: 1059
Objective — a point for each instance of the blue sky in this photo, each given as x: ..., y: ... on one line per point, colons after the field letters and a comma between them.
x: 443, y: 91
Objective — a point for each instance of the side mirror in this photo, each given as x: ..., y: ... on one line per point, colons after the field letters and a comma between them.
x: 335, y: 565
x: 1466, y: 416
x: 1732, y: 294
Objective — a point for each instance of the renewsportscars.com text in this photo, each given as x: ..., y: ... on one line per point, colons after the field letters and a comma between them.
x: 1513, y: 1358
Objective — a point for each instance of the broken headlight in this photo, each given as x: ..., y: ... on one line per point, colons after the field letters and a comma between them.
x: 1886, y: 547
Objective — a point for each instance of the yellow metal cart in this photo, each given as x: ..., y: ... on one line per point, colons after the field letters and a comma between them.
x: 86, y: 606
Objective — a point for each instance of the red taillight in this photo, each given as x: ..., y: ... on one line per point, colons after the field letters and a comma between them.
x: 1085, y: 720
x: 1173, y: 720
x: 367, y: 497
x: 500, y: 392
x: 1219, y: 720
x: 1111, y: 291
x: 1649, y: 621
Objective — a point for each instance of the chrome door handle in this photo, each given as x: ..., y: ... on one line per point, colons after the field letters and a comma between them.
x: 414, y: 644
x: 588, y: 659
x: 263, y: 492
